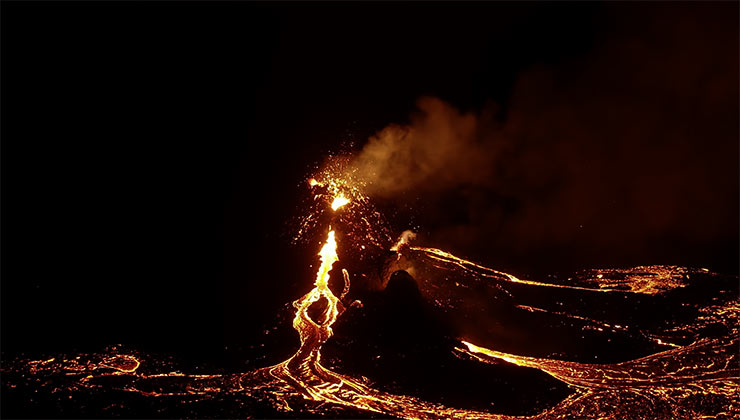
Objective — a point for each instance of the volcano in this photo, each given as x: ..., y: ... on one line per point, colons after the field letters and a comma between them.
x: 439, y: 337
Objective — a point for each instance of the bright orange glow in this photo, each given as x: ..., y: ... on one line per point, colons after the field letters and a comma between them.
x: 650, y: 280
x: 404, y: 239
x: 339, y: 201
x: 684, y: 376
x: 703, y: 368
x: 328, y: 256
x: 336, y: 188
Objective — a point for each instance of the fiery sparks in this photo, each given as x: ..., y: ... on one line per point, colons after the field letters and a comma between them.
x: 339, y: 201
x: 337, y: 197
x: 698, y: 377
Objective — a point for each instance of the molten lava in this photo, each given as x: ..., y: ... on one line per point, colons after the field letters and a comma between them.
x: 698, y: 377
x: 338, y: 202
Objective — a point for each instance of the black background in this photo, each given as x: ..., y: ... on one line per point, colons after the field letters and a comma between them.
x: 153, y: 152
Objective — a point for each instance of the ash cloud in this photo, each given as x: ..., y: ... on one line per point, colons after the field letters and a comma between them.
x: 627, y: 155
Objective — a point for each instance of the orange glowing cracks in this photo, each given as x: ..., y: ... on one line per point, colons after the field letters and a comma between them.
x: 339, y: 201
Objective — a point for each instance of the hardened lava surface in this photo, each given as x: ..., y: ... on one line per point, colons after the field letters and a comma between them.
x: 430, y: 335
x: 453, y: 340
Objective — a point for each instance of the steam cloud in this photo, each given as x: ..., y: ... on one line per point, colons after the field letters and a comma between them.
x: 626, y: 155
x: 439, y: 149
x: 406, y: 237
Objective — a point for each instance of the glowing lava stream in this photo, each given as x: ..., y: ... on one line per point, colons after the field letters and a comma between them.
x: 303, y: 374
x: 664, y: 276
x: 303, y: 369
x: 699, y: 380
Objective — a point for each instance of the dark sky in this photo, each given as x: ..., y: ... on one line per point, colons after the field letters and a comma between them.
x: 153, y: 152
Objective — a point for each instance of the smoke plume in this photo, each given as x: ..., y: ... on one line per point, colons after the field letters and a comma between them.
x: 440, y: 148
x: 625, y: 155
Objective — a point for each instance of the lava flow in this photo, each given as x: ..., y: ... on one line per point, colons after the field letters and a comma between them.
x: 303, y: 374
x: 683, y: 367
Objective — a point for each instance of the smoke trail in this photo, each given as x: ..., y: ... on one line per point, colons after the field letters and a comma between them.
x: 626, y: 155
x: 440, y: 148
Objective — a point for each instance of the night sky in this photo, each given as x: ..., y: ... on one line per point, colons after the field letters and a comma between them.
x: 153, y: 153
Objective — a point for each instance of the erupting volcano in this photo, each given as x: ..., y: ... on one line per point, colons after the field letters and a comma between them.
x: 680, y: 366
x: 440, y: 210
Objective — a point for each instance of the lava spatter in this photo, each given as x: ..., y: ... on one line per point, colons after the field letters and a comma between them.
x: 697, y: 377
